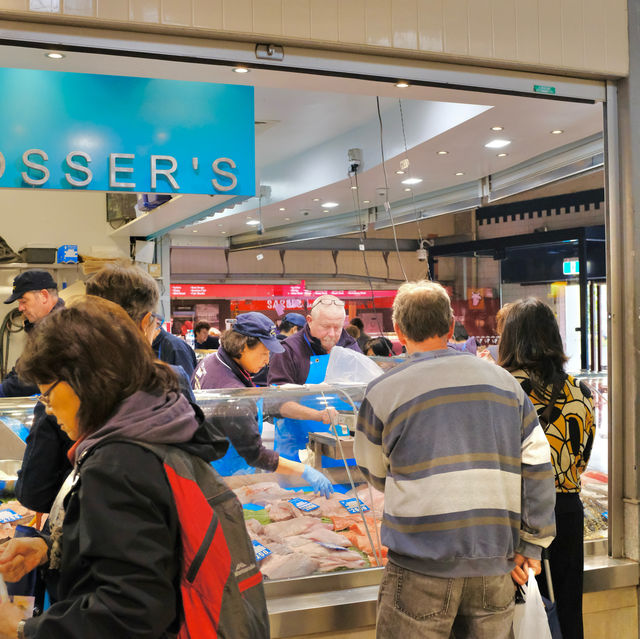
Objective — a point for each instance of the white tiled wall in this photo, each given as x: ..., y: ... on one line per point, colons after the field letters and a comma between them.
x: 579, y: 36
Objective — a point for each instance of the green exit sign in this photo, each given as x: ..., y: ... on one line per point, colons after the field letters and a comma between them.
x: 571, y: 266
x: 541, y: 88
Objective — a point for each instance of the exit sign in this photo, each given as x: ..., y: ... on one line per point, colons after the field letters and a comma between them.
x: 571, y: 266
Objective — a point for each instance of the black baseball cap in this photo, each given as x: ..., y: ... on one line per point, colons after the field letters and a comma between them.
x: 258, y: 325
x: 33, y: 280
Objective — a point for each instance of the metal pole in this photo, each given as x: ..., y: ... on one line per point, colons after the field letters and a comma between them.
x: 582, y: 261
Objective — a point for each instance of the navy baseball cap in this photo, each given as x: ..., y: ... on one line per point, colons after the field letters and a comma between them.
x: 260, y: 326
x: 33, y: 280
x: 296, y: 319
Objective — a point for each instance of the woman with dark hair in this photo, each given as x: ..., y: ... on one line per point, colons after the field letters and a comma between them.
x: 115, y: 534
x: 531, y: 349
x: 379, y: 346
x: 244, y: 351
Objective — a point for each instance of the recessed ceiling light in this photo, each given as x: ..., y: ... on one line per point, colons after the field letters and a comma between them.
x: 54, y: 55
x: 502, y: 155
x: 239, y: 69
x: 325, y: 210
x: 557, y: 132
x: 497, y: 128
x: 253, y: 222
x: 282, y: 208
x: 330, y: 205
x: 223, y: 232
x: 366, y: 201
x: 287, y: 219
x: 219, y: 224
x: 407, y: 189
x: 399, y: 172
x: 497, y: 144
x: 412, y: 180
x: 459, y: 173
x: 316, y: 199
x: 354, y: 188
x: 402, y: 84
x: 194, y: 231
x: 442, y: 152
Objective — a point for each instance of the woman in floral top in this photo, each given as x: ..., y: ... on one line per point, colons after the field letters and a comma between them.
x: 531, y: 349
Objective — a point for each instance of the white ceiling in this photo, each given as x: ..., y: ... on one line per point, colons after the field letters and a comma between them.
x: 312, y: 121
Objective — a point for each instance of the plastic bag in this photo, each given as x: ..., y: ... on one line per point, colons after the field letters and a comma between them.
x: 347, y: 366
x: 530, y: 618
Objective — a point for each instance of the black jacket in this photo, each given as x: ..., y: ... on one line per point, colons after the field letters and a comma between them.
x: 119, y: 572
x: 173, y: 350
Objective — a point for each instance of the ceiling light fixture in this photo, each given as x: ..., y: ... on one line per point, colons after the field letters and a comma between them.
x: 557, y: 131
x: 354, y: 188
x: 240, y: 69
x: 412, y: 180
x: 402, y: 84
x: 399, y: 172
x: 497, y: 128
x: 497, y: 144
x: 316, y: 199
x: 407, y: 189
x: 325, y: 210
x: 502, y: 155
x: 223, y: 232
x: 54, y: 55
x: 442, y: 152
x: 366, y: 201
x: 459, y: 173
x: 253, y: 222
x: 194, y: 231
x: 287, y: 219
x: 282, y: 208
x: 330, y: 205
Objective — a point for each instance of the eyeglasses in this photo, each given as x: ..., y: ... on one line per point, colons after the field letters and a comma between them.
x: 327, y: 302
x: 44, y: 398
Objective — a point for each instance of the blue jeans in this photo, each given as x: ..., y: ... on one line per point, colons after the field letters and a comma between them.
x: 413, y: 606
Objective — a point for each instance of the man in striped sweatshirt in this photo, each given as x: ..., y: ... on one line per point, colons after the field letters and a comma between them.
x: 456, y: 446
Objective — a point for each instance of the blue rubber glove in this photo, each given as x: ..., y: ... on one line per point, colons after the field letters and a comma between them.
x: 317, y: 481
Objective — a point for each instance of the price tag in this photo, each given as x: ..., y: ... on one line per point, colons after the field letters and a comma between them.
x: 352, y: 505
x: 260, y: 550
x: 8, y: 515
x: 303, y: 504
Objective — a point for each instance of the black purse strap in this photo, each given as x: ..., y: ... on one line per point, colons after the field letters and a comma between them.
x: 545, y: 416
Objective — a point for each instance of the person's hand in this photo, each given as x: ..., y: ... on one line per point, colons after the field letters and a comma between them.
x: 317, y: 481
x: 520, y: 574
x: 20, y: 556
x: 10, y: 617
x: 329, y: 415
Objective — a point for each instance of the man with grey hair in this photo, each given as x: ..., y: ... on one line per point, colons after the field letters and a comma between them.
x: 323, y: 331
x: 456, y: 446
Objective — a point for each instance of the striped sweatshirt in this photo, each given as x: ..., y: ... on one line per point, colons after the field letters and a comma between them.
x: 455, y: 444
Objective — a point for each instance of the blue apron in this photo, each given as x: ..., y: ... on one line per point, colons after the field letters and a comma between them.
x: 292, y: 435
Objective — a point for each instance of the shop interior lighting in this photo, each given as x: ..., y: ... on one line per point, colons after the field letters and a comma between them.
x: 366, y: 201
x: 330, y: 205
x: 460, y: 173
x: 497, y: 128
x: 223, y: 232
x: 402, y: 84
x: 240, y: 69
x: 557, y: 131
x: 407, y: 189
x: 194, y: 231
x: 259, y: 256
x: 354, y: 188
x: 502, y: 155
x: 287, y: 219
x: 253, y: 222
x: 54, y: 55
x: 316, y: 199
x: 399, y: 172
x: 282, y: 208
x: 497, y: 144
x: 412, y: 180
x: 442, y: 152
x: 325, y: 210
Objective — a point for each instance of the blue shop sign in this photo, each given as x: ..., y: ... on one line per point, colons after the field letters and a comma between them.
x: 110, y: 133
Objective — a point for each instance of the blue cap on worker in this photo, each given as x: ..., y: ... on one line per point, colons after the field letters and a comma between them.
x: 31, y: 280
x: 258, y: 325
x: 296, y: 319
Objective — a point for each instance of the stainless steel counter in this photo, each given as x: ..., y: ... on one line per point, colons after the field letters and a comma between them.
x: 345, y: 601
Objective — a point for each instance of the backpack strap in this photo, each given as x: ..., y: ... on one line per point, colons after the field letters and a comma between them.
x: 545, y: 416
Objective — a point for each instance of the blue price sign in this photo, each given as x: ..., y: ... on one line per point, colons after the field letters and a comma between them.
x: 352, y: 505
x: 260, y: 550
x: 81, y: 131
x: 303, y: 504
x: 8, y: 515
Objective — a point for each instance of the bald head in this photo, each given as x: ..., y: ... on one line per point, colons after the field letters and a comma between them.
x: 326, y: 320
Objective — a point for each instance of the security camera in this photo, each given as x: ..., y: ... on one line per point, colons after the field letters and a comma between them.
x: 355, y: 160
x: 422, y: 254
